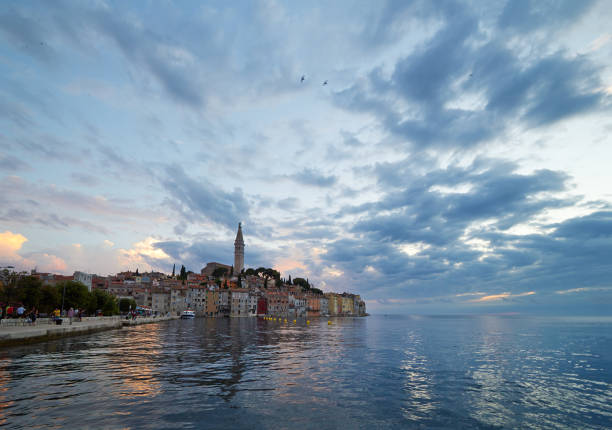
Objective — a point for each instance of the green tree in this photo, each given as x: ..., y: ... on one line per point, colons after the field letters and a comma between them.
x: 76, y: 295
x: 219, y: 272
x: 126, y: 304
x: 239, y: 282
x: 29, y: 291
x: 289, y: 282
x: 301, y: 282
x: 10, y: 293
x: 183, y: 274
x: 102, y: 301
x: 50, y: 298
x: 173, y: 268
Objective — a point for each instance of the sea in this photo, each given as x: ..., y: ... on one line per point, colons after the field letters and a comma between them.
x: 381, y: 371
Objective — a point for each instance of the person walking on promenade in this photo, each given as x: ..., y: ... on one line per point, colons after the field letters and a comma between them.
x: 56, y: 313
x: 20, y: 311
x: 33, y: 315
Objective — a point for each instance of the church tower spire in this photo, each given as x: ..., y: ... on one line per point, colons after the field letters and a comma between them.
x: 238, y: 251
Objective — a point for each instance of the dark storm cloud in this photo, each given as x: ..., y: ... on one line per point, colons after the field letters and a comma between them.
x: 416, y: 101
x: 314, y: 178
x: 198, y: 200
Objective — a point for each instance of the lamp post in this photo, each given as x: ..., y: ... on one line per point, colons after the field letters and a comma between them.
x: 63, y: 295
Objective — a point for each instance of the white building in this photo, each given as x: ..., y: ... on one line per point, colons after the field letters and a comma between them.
x: 84, y: 278
x: 324, y: 306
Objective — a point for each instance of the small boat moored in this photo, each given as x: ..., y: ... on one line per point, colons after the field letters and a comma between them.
x: 188, y: 314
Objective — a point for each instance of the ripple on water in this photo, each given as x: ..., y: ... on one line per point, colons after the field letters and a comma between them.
x: 476, y: 372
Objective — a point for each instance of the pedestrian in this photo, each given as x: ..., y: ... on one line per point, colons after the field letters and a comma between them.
x: 80, y: 314
x: 33, y: 315
x: 56, y: 313
x: 20, y: 311
x: 70, y: 313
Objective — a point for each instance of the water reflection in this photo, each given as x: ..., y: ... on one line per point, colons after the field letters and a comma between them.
x: 356, y: 373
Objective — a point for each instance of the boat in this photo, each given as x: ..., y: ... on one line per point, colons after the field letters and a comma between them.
x: 188, y: 314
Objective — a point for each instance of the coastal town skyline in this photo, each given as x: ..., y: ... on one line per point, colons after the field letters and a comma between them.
x: 430, y: 157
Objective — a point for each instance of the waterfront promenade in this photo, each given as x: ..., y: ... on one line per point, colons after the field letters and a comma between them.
x: 16, y: 332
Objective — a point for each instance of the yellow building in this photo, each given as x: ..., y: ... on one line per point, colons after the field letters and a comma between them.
x: 334, y: 303
x: 347, y: 305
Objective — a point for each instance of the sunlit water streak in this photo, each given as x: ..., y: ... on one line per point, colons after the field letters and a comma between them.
x: 376, y: 372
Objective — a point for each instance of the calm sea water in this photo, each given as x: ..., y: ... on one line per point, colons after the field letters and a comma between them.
x: 375, y: 372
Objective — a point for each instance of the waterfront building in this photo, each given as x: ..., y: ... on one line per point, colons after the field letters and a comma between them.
x: 160, y: 302
x: 262, y: 306
x: 239, y: 251
x: 224, y: 303
x: 323, y: 306
x: 334, y: 303
x: 252, y: 307
x: 239, y: 302
x: 212, y: 302
x: 278, y: 302
x: 297, y: 305
x: 313, y: 305
x: 347, y: 304
x: 196, y: 299
x: 178, y: 299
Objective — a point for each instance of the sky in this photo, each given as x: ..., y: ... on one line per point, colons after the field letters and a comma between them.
x: 437, y: 157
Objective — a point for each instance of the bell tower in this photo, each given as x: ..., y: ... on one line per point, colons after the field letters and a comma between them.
x: 238, y: 251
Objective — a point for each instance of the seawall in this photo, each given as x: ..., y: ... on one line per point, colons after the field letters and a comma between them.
x: 43, y: 331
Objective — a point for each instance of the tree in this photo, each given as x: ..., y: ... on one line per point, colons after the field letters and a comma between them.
x: 289, y: 281
x: 137, y: 271
x: 173, y: 268
x: 232, y: 271
x: 219, y: 272
x: 183, y: 275
x: 102, y: 301
x: 50, y: 298
x: 9, y: 286
x: 301, y: 282
x: 266, y: 283
x: 126, y: 304
x: 76, y: 295
x: 239, y: 282
x: 29, y: 291
x: 250, y: 272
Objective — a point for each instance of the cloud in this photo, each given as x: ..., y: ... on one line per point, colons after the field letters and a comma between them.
x: 501, y: 296
x: 529, y: 15
x: 10, y: 243
x: 12, y: 164
x: 201, y: 200
x: 314, y: 178
x: 466, y: 86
